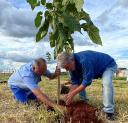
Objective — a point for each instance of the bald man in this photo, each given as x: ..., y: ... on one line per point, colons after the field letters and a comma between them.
x: 24, y: 82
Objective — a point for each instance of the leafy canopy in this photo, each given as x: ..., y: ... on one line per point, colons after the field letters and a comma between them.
x: 61, y: 19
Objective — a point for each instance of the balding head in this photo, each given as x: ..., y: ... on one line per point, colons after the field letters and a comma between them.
x: 39, y: 66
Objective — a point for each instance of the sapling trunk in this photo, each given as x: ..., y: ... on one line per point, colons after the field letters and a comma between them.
x: 58, y: 89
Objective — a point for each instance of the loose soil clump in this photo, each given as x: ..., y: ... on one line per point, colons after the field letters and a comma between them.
x: 80, y: 112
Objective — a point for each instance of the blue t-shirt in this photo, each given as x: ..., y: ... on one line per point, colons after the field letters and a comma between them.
x: 25, y: 78
x: 90, y: 65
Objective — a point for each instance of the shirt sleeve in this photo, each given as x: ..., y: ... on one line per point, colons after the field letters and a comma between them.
x: 87, y: 71
x: 47, y: 73
x: 30, y: 82
x: 74, y: 78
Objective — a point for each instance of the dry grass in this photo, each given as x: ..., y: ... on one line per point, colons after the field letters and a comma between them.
x: 13, y: 112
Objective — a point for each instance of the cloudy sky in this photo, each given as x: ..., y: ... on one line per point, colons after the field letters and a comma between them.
x: 17, y: 32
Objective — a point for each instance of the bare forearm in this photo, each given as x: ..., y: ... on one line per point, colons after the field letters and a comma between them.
x: 78, y: 89
x: 73, y: 87
x: 44, y: 98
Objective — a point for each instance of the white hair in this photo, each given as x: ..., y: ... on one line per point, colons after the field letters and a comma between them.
x: 64, y: 58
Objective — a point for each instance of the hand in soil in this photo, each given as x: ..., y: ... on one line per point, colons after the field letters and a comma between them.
x: 68, y: 98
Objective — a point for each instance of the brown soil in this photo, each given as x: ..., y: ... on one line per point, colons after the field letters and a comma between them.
x: 80, y: 112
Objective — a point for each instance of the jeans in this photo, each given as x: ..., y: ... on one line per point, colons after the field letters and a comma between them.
x: 108, y: 91
x: 22, y: 95
x: 83, y: 95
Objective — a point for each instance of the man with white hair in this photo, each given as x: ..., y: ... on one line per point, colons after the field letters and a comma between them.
x: 86, y: 66
x: 24, y: 82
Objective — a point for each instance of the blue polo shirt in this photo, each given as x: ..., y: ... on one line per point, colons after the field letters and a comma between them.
x: 25, y: 78
x: 90, y: 65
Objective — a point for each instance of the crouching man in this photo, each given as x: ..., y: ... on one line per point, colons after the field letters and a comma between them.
x: 24, y: 82
x: 86, y: 66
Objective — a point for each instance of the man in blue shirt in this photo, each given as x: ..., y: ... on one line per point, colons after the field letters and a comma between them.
x: 24, y: 82
x: 86, y: 66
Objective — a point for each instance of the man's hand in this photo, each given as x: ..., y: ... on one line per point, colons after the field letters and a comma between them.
x: 75, y: 90
x: 55, y: 74
x: 57, y: 71
x: 69, y: 98
x: 43, y: 97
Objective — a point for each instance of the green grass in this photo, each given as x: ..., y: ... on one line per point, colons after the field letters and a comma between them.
x: 13, y: 112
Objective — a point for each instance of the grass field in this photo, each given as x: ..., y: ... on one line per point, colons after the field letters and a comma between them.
x: 13, y: 112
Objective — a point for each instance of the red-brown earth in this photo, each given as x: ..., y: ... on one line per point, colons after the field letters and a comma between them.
x: 80, y: 112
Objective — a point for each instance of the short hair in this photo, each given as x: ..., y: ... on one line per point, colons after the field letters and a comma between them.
x: 64, y: 58
x: 39, y: 61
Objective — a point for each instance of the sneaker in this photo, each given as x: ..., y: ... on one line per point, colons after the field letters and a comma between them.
x: 110, y: 116
x: 84, y: 99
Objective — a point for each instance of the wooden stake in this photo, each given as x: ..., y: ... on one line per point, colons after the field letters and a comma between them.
x: 58, y: 90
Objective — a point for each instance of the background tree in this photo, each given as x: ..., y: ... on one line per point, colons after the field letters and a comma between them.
x: 48, y: 56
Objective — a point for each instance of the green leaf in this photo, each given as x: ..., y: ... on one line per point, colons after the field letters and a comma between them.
x: 53, y: 37
x: 94, y: 34
x: 33, y: 3
x: 62, y: 36
x: 42, y: 31
x: 43, y: 2
x: 49, y: 5
x: 65, y: 2
x: 71, y: 44
x: 52, y: 41
x: 38, y: 35
x: 85, y: 26
x: 84, y: 16
x: 70, y: 22
x: 38, y: 19
x: 71, y: 8
x: 79, y: 4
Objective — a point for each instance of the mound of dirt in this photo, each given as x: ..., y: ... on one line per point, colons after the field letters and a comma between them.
x: 80, y: 112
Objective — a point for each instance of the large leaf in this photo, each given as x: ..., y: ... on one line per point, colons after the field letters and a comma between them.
x: 79, y: 4
x: 94, y: 34
x: 71, y: 8
x: 33, y: 3
x: 70, y: 22
x: 43, y: 2
x: 42, y: 31
x: 65, y: 2
x: 49, y: 5
x: 52, y: 40
x: 84, y: 16
x: 38, y: 19
x: 85, y: 26
x: 62, y: 36
x: 38, y: 35
x: 57, y: 4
